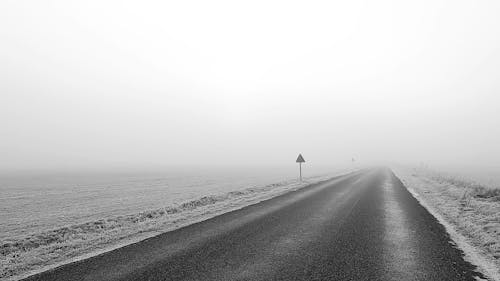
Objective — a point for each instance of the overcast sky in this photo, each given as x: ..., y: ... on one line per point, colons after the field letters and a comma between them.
x: 101, y: 83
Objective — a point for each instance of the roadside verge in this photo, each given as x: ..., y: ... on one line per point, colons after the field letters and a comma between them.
x: 473, y: 222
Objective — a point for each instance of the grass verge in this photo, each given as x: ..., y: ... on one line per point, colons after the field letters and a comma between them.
x: 470, y: 208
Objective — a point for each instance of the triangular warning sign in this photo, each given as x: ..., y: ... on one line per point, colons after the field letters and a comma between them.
x: 300, y: 159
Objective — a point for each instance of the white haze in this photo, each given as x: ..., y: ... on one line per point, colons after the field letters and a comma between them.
x: 124, y: 83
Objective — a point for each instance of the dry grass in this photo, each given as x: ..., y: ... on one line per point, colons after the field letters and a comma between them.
x: 472, y: 188
x: 471, y: 208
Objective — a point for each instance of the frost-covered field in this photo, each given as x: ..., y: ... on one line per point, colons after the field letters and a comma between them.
x: 469, y: 208
x: 52, y: 219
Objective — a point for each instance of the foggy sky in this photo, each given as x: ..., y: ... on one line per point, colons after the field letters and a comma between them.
x: 101, y: 83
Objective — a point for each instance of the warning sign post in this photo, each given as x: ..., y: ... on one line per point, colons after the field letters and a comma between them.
x: 300, y: 160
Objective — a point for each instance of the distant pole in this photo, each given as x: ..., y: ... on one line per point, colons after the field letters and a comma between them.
x: 300, y: 160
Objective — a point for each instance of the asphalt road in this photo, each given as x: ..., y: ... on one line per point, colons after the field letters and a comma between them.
x: 362, y: 226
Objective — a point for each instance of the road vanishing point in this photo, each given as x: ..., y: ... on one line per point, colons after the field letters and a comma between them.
x: 361, y: 226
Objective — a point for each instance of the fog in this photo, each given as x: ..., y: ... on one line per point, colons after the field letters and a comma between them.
x: 124, y: 83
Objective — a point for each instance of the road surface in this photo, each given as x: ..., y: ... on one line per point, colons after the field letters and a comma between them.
x: 362, y: 226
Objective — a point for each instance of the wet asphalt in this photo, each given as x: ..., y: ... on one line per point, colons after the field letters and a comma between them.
x: 361, y: 226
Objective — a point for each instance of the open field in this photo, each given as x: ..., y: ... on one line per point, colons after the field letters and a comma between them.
x: 41, y: 250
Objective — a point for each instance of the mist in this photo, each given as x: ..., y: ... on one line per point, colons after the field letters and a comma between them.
x: 123, y: 83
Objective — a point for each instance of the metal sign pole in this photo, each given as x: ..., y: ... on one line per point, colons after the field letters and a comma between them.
x: 300, y: 170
